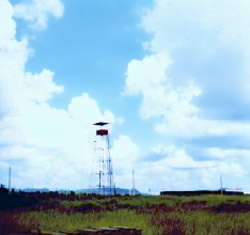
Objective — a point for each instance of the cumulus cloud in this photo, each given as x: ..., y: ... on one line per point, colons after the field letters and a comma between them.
x: 172, y: 104
x: 173, y: 168
x: 206, y: 48
x: 148, y: 77
x: 46, y: 146
x: 126, y: 155
x: 196, y: 74
x: 40, y: 87
x: 37, y: 12
x: 178, y: 158
x: 194, y: 83
x: 226, y: 153
x: 8, y: 29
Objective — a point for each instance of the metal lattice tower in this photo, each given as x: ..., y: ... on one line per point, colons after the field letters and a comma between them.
x: 102, y: 152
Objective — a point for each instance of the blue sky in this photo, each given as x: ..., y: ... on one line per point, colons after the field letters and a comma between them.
x: 176, y: 90
x: 89, y: 49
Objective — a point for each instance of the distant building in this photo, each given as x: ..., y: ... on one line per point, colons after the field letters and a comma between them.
x: 201, y: 192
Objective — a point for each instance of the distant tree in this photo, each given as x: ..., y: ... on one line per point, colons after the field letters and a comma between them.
x: 3, y: 189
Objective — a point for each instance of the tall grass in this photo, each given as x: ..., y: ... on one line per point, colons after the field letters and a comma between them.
x: 210, y: 214
x: 54, y: 221
x: 203, y: 223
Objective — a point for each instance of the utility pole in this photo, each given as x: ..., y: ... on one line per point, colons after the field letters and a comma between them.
x: 9, y: 179
x: 133, y: 182
x: 221, y: 187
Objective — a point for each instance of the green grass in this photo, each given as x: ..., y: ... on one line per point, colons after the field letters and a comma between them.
x: 210, y: 199
x: 54, y: 221
x: 204, y: 223
x: 152, y: 214
x: 157, y: 200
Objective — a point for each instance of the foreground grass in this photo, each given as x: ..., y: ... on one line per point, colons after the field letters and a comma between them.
x: 54, y: 221
x: 150, y: 223
x: 203, y: 223
x: 210, y: 214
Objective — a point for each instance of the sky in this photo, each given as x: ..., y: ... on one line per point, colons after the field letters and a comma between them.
x: 171, y: 76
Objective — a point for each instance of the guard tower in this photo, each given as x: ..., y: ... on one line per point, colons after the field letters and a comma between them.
x: 102, y: 152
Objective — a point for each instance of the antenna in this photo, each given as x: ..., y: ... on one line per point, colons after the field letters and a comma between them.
x: 221, y: 188
x: 9, y: 179
x: 133, y: 182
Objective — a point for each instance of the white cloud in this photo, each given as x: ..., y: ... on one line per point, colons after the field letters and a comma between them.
x: 233, y: 176
x: 139, y: 79
x: 196, y: 127
x: 172, y: 168
x: 160, y: 97
x: 214, y: 50
x: 40, y: 87
x: 177, y: 22
x: 126, y: 156
x: 197, y: 68
x: 37, y: 12
x: 234, y: 169
x: 8, y: 28
x: 193, y: 83
x: 53, y: 145
x: 177, y: 158
x: 46, y: 146
x: 228, y: 153
x: 172, y: 104
x: 78, y: 106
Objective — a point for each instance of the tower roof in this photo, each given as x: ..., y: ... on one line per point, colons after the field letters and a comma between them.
x: 100, y: 123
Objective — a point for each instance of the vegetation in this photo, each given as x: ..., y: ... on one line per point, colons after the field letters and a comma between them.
x: 51, y: 212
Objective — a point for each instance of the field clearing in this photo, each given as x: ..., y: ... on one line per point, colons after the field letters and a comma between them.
x: 211, y: 214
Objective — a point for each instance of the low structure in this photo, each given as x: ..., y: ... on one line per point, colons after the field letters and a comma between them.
x: 201, y: 192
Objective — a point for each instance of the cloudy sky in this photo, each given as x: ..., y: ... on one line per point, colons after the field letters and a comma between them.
x: 172, y: 76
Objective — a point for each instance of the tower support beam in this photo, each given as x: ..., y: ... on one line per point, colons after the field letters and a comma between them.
x: 102, y: 150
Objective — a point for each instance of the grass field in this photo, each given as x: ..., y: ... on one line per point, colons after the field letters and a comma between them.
x: 213, y: 214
